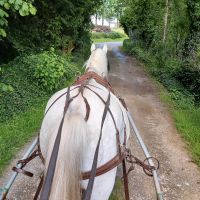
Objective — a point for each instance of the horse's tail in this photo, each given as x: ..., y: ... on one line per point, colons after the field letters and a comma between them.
x: 66, y: 182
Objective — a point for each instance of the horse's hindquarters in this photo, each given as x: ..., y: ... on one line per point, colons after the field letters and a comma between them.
x: 108, y: 147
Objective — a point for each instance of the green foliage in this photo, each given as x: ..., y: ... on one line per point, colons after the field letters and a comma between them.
x: 23, y: 7
x: 60, y: 24
x: 118, y: 191
x: 188, y: 123
x: 189, y: 76
x: 165, y: 34
x: 128, y: 45
x: 182, y: 98
x: 4, y: 87
x: 26, y: 90
x: 32, y: 77
x: 16, y: 132
x: 49, y: 69
x: 112, y: 35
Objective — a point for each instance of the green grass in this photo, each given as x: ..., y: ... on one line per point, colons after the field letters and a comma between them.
x: 19, y: 130
x: 188, y: 124
x: 116, y: 35
x: 108, y: 40
x: 118, y: 191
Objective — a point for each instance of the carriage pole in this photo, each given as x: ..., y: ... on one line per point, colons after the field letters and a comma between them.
x: 4, y: 191
x: 147, y: 154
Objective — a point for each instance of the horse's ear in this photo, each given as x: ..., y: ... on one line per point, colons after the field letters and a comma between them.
x: 105, y: 48
x: 93, y: 47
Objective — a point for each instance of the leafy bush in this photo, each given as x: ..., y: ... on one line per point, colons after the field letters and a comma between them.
x: 128, y: 45
x: 32, y: 78
x: 189, y: 76
x: 183, y: 99
x: 49, y: 69
x: 26, y: 91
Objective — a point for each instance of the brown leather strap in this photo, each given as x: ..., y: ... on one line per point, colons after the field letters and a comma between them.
x: 104, y: 103
x: 39, y: 187
x: 92, y: 75
x: 52, y: 163
x: 88, y: 192
x: 111, y: 164
x: 123, y: 103
x: 86, y: 104
x: 24, y: 162
x: 22, y: 171
x: 31, y: 157
x: 59, y: 98
x: 125, y: 179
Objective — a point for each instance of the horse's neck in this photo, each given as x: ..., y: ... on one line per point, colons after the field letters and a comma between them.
x: 98, y: 64
x: 93, y: 69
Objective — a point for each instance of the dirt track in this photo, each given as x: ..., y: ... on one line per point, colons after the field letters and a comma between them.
x: 180, y: 178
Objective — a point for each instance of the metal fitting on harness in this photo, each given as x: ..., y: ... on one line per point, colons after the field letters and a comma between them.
x: 147, y: 168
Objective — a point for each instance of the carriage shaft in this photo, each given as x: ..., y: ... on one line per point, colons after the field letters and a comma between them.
x: 147, y: 154
x: 7, y: 187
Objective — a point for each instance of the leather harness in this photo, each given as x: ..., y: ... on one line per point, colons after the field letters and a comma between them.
x: 122, y: 156
x: 82, y: 83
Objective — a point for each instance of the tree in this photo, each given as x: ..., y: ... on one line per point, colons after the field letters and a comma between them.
x: 165, y: 20
x: 62, y: 24
x: 23, y: 7
x: 110, y: 10
x: 192, y: 44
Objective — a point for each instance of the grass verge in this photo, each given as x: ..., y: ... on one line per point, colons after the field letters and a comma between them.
x: 187, y: 122
x: 116, y: 35
x: 17, y: 131
x: 108, y: 40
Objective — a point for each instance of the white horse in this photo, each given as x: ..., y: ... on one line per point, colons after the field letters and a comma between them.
x: 79, y: 137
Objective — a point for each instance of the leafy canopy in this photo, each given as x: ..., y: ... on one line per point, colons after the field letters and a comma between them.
x: 23, y: 7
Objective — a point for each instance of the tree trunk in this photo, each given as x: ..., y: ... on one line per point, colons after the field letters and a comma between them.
x: 96, y: 17
x: 165, y: 20
x: 102, y: 20
x: 117, y: 23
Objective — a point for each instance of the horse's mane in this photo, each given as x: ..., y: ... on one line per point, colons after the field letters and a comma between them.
x: 92, y: 57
